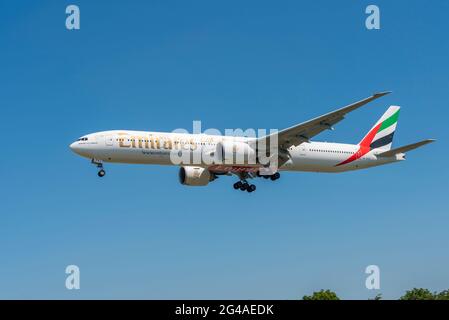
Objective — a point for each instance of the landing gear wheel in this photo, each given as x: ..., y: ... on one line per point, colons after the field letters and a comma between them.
x: 99, y: 165
x: 275, y: 176
x: 244, y: 186
x: 251, y: 188
x: 237, y: 185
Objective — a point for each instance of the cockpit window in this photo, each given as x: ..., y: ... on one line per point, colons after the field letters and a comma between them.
x: 82, y: 139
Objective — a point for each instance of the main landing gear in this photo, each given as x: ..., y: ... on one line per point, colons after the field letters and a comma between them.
x: 244, y: 186
x: 272, y: 177
x: 99, y: 164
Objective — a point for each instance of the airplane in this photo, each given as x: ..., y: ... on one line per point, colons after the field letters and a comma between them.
x: 294, y: 152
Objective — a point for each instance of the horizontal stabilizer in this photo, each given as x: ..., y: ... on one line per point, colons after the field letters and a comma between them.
x: 391, y: 153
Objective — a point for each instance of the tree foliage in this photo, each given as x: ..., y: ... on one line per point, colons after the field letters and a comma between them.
x: 418, y: 294
x: 443, y: 295
x: 413, y: 294
x: 425, y: 294
x: 322, y: 295
x: 377, y: 297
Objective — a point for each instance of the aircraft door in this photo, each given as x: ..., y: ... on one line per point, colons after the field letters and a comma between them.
x: 302, y: 150
x: 109, y: 141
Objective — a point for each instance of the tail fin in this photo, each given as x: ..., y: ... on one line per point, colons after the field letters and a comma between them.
x: 381, y: 134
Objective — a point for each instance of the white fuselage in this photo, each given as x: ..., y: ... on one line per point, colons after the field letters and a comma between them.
x: 141, y: 147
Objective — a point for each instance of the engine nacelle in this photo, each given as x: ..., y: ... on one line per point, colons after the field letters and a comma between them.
x: 235, y: 153
x: 194, y: 176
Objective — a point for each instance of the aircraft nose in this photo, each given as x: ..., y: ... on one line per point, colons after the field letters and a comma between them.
x: 74, y: 146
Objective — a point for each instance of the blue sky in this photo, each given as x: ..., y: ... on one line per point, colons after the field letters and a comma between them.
x: 159, y: 65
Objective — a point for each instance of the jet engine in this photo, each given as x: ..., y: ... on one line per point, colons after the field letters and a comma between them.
x: 195, y: 176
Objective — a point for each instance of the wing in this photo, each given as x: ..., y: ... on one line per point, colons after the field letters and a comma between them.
x: 302, y: 132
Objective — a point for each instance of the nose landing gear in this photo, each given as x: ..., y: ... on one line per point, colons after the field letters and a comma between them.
x: 99, y: 164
